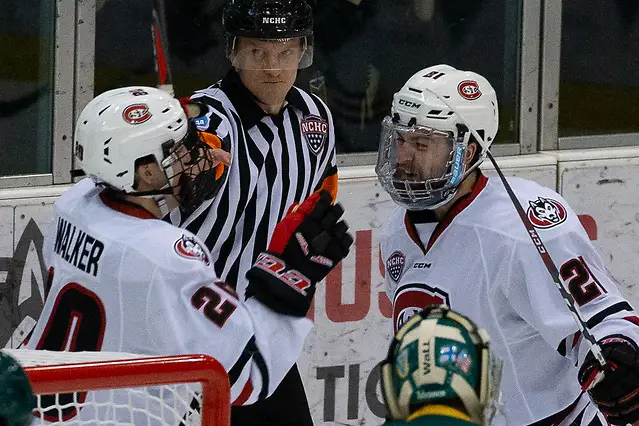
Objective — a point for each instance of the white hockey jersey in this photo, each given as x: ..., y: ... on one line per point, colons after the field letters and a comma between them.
x: 481, y: 262
x: 144, y: 286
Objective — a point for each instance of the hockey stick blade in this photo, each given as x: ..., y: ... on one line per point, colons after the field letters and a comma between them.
x: 552, y: 269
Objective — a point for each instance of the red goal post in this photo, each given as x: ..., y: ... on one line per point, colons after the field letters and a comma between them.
x: 68, y: 372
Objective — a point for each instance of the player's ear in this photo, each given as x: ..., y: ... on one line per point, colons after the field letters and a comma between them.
x: 470, y: 153
x: 146, y: 170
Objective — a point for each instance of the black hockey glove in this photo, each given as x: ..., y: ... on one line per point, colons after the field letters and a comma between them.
x: 306, y: 245
x: 617, y: 394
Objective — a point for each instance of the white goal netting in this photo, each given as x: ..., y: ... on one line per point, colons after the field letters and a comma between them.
x: 106, y: 388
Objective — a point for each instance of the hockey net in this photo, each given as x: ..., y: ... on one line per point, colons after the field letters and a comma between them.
x: 107, y: 388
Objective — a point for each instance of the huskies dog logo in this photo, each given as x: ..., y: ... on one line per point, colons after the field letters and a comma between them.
x: 395, y: 265
x: 190, y: 248
x: 545, y: 212
x: 315, y: 130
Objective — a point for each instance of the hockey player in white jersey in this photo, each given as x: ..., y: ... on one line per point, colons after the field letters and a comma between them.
x: 456, y: 239
x: 124, y: 281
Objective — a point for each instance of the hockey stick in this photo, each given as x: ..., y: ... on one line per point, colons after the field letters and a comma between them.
x: 160, y: 48
x: 552, y: 269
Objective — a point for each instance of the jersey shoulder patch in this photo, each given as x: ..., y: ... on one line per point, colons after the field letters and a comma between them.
x: 189, y: 247
x: 545, y: 212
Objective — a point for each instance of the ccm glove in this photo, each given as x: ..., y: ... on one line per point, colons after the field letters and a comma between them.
x: 617, y: 394
x: 306, y: 245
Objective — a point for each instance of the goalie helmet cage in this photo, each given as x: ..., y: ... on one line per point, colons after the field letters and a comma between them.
x: 165, y: 390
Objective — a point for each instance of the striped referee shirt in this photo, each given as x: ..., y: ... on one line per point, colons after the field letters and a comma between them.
x: 276, y: 160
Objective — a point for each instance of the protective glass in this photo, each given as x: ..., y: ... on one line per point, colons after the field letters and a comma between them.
x: 269, y: 55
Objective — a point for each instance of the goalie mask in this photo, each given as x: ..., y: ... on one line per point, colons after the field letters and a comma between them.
x: 268, y: 34
x: 122, y: 127
x: 423, y: 145
x: 436, y: 357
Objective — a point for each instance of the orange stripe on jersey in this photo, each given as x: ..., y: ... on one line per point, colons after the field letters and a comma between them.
x: 329, y: 184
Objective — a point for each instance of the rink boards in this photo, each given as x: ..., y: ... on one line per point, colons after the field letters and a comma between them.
x: 351, y: 311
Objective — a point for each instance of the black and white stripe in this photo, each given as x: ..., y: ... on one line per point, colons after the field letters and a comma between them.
x: 272, y: 167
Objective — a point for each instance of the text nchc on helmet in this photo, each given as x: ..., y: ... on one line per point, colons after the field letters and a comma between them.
x: 287, y: 25
x: 435, y: 112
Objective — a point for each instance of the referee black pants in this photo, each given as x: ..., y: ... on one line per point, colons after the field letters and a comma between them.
x: 287, y: 406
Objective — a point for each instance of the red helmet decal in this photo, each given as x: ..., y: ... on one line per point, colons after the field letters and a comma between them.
x: 136, y: 113
x: 469, y: 90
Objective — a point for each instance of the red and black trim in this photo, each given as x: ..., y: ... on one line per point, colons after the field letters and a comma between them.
x: 570, y: 341
x: 250, y: 351
x: 610, y: 310
x: 458, y: 206
x: 123, y: 206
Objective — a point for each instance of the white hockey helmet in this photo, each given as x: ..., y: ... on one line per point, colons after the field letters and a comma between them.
x: 443, y: 104
x: 121, y: 126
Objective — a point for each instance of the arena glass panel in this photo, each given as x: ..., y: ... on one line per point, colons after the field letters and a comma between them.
x: 27, y: 43
x: 599, y: 79
x: 364, y: 51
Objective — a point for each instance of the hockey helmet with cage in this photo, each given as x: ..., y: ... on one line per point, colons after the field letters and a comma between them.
x: 272, y: 20
x: 16, y: 397
x: 436, y: 357
x: 120, y: 127
x: 442, y: 104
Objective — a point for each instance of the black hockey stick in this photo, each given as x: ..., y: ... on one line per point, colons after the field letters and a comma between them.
x: 552, y: 269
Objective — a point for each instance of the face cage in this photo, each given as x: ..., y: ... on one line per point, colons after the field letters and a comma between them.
x: 242, y: 59
x: 190, y: 170
x: 425, y: 194
x: 488, y: 389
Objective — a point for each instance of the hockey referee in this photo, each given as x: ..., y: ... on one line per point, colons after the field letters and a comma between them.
x: 282, y: 145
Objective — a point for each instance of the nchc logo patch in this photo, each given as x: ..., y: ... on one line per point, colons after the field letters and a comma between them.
x: 545, y: 212
x: 395, y: 265
x: 190, y: 248
x: 315, y: 130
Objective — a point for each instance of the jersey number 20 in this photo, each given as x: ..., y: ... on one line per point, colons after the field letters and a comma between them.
x: 76, y: 323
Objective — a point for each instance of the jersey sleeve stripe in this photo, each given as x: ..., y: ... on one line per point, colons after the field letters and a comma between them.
x: 236, y: 370
x: 251, y: 351
x: 610, y: 310
x: 245, y: 394
x: 258, y: 359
